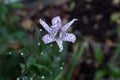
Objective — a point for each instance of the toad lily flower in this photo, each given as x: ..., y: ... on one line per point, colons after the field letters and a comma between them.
x: 58, y: 33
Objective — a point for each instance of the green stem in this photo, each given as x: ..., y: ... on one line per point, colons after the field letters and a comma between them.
x: 31, y: 53
x: 60, y: 76
x: 118, y: 30
x: 118, y: 47
x: 75, y: 59
x: 116, y: 54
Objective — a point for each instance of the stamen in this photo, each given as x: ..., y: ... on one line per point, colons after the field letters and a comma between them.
x: 58, y: 35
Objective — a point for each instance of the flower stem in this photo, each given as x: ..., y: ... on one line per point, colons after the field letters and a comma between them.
x: 30, y: 54
x: 75, y: 60
x: 60, y: 76
x: 117, y: 52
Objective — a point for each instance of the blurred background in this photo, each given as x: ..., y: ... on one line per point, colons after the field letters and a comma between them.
x: 94, y: 56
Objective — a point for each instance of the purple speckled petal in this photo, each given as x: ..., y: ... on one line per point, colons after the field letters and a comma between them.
x: 57, y: 29
x: 66, y: 26
x: 48, y: 39
x: 59, y: 42
x: 69, y: 37
x: 45, y: 25
x: 56, y: 22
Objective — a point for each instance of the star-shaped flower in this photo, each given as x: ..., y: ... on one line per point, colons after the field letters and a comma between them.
x: 57, y: 32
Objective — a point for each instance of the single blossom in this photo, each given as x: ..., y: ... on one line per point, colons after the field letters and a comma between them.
x: 57, y: 32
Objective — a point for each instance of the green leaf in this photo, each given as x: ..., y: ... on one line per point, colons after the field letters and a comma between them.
x: 17, y: 5
x: 39, y: 69
x: 72, y: 6
x: 34, y: 68
x: 3, y: 9
x: 114, y: 70
x: 42, y: 67
x: 13, y: 19
x: 98, y: 55
x: 30, y: 61
x: 99, y: 74
x: 21, y: 36
x: 75, y: 58
x: 115, y: 17
x: 45, y: 59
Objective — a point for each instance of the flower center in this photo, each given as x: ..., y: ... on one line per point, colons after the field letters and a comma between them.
x: 58, y: 35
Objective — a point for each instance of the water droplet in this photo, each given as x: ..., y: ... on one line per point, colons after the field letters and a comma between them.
x: 22, y: 53
x: 18, y: 78
x: 41, y: 52
x: 56, y: 58
x: 31, y: 78
x: 40, y: 29
x: 61, y: 67
x: 63, y: 63
x: 38, y: 43
x: 10, y: 52
x: 22, y: 78
x: 43, y: 77
x: 51, y: 72
x: 51, y: 45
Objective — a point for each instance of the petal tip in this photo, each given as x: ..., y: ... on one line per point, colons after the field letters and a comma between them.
x: 40, y: 20
x: 43, y: 39
x: 74, y: 39
x: 47, y: 39
x: 60, y: 50
x: 57, y: 17
x: 76, y: 19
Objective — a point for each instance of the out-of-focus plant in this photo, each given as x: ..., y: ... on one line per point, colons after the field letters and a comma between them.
x: 112, y: 70
x: 11, y: 38
x: 8, y: 29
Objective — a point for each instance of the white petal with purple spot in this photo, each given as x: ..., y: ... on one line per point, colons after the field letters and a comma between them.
x: 48, y: 39
x: 66, y: 26
x: 69, y: 37
x: 56, y: 22
x: 45, y: 25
